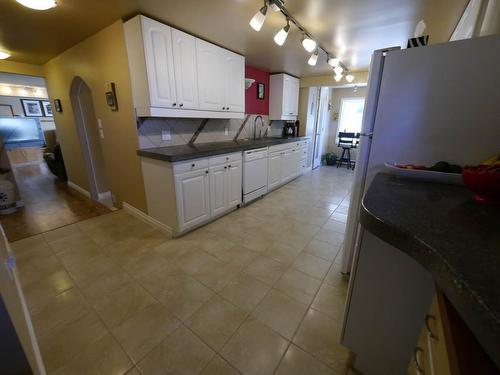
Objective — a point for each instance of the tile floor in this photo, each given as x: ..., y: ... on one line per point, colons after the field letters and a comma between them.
x: 256, y: 292
x: 48, y: 203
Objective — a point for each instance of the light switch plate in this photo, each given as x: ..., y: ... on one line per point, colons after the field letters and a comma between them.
x: 226, y: 131
x: 101, y: 130
x: 165, y: 135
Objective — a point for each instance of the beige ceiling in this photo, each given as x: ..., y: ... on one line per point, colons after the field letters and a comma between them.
x: 351, y: 29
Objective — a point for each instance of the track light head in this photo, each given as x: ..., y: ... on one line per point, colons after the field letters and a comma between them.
x: 258, y: 19
x: 308, y: 43
x: 281, y: 35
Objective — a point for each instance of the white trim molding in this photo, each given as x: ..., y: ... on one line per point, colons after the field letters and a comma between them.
x: 147, y: 219
x: 78, y: 188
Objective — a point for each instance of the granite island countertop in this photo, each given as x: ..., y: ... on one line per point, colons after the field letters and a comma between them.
x: 187, y: 152
x: 452, y: 236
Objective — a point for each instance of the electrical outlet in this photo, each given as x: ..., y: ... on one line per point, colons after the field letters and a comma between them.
x: 165, y: 135
x: 226, y: 131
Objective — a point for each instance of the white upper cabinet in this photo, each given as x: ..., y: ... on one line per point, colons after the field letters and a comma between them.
x: 186, y: 74
x: 283, y: 97
x: 174, y: 74
x: 210, y: 60
x: 159, y: 63
x: 234, y: 82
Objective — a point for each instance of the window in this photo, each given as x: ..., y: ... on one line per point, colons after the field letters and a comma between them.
x: 351, y: 115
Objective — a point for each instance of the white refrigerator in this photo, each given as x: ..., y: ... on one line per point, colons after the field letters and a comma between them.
x: 426, y: 104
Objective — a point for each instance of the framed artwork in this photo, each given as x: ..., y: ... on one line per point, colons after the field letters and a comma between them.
x: 111, y: 100
x: 32, y: 108
x: 6, y: 110
x: 57, y: 105
x: 260, y: 91
x: 47, y: 108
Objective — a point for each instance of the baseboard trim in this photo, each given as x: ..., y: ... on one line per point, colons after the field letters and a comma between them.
x: 78, y: 189
x: 147, y: 219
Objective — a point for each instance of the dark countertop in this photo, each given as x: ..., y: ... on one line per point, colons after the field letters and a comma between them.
x: 454, y: 237
x: 187, y: 152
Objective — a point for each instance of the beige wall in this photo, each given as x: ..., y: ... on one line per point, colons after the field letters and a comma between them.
x: 99, y: 60
x: 21, y: 68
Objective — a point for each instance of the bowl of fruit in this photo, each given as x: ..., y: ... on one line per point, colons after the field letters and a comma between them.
x: 441, y: 172
x: 484, y: 180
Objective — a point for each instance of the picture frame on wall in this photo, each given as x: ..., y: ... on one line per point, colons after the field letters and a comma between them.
x: 32, y: 108
x: 47, y: 108
x: 260, y: 91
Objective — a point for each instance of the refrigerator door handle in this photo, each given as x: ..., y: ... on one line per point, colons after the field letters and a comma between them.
x: 369, y: 134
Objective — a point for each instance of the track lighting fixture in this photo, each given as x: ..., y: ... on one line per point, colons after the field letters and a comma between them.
x: 333, y: 61
x: 4, y: 55
x: 349, y: 78
x: 281, y: 35
x: 338, y: 70
x: 337, y: 77
x: 258, y: 20
x: 308, y: 43
x: 313, y: 59
x: 38, y: 4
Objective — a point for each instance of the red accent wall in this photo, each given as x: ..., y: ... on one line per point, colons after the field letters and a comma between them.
x: 253, y: 105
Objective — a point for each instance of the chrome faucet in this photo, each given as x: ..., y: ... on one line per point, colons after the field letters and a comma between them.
x: 255, y: 126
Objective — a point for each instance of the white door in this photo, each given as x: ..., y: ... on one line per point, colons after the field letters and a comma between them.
x: 192, y: 194
x: 159, y: 63
x: 210, y: 64
x: 186, y: 77
x: 218, y: 189
x: 322, y: 120
x: 13, y: 298
x: 274, y: 170
x: 234, y: 82
x: 234, y: 189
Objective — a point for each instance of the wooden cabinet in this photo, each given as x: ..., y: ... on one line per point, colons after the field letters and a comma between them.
x: 185, y: 68
x: 174, y: 74
x: 192, y: 195
x: 283, y: 97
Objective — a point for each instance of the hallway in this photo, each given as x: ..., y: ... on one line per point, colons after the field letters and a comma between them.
x: 49, y: 203
x: 255, y: 292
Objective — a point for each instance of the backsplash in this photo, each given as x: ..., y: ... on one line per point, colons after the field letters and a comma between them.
x: 149, y: 130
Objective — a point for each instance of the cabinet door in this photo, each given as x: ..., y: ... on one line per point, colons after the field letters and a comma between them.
x: 288, y: 165
x: 294, y: 96
x: 159, y: 63
x: 218, y: 189
x: 287, y: 96
x: 210, y: 64
x: 297, y: 156
x: 274, y: 170
x: 192, y: 194
x: 234, y: 179
x: 234, y: 82
x: 186, y: 77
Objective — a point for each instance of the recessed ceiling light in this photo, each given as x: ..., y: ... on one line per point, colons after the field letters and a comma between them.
x: 308, y: 44
x: 4, y: 55
x: 38, y: 4
x: 258, y: 20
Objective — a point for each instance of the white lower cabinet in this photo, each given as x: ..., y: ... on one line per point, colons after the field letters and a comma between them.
x: 192, y: 195
x: 234, y: 181
x: 284, y: 164
x: 225, y: 187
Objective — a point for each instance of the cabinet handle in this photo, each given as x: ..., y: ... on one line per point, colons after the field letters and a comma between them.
x: 192, y: 165
x: 428, y: 318
x: 181, y: 105
x: 225, y: 167
x: 223, y: 108
x: 229, y: 166
x: 206, y: 172
x: 419, y: 368
x: 174, y: 104
x: 227, y: 108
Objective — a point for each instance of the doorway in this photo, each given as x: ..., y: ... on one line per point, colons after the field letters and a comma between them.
x: 90, y: 135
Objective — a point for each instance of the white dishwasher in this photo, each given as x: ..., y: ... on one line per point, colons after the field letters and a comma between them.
x: 254, y: 174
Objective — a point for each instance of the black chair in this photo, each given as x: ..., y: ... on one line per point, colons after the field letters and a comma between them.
x: 55, y: 162
x: 347, y: 141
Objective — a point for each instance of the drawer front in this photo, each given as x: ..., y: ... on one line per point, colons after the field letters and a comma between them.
x: 225, y: 158
x: 303, y: 154
x: 281, y: 147
x: 190, y: 165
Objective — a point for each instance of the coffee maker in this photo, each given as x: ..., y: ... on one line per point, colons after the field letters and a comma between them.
x: 291, y: 129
